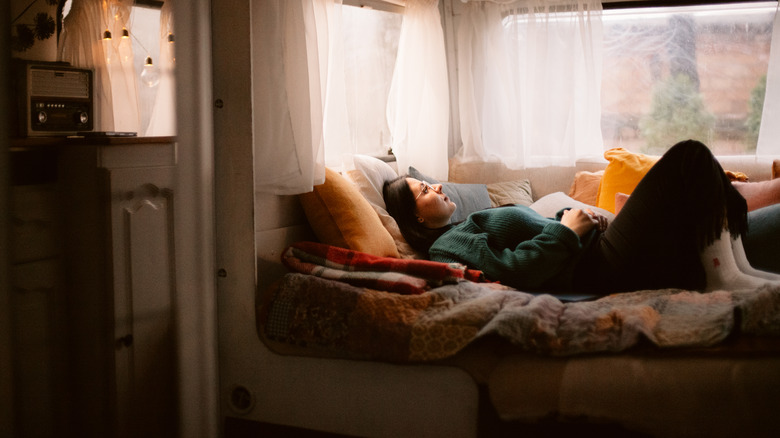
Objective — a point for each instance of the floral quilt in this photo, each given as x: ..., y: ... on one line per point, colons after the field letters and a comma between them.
x: 440, y: 321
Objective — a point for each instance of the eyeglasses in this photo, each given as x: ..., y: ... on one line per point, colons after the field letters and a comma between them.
x: 425, y: 186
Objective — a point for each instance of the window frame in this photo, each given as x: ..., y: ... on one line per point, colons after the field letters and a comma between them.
x: 396, y: 6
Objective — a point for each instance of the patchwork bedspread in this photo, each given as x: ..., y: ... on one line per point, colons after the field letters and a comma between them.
x: 314, y: 310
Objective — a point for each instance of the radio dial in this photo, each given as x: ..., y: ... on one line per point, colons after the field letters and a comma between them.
x: 82, y: 118
x: 42, y: 116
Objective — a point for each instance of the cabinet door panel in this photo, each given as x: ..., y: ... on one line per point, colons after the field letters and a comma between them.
x: 143, y: 267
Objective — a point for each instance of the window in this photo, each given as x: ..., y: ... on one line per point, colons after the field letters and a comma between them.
x: 370, y: 45
x: 672, y: 73
x: 131, y: 46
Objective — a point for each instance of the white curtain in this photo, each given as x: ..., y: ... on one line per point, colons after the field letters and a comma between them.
x: 338, y: 141
x: 82, y: 44
x: 294, y: 44
x: 530, y: 81
x: 163, y: 119
x: 418, y: 104
x: 769, y: 133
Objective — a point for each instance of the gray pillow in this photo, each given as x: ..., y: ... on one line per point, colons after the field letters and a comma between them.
x: 468, y: 197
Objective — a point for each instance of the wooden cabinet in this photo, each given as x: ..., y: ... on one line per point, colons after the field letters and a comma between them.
x: 109, y: 258
x: 140, y: 182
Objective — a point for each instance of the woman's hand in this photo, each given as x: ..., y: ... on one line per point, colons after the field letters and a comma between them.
x: 582, y: 221
x: 601, y: 221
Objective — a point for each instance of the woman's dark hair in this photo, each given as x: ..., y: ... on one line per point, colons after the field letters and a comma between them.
x: 402, y: 206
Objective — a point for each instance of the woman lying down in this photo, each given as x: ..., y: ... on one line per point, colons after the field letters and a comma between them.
x: 682, y: 227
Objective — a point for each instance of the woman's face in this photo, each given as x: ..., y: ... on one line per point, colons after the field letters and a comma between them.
x: 434, y: 208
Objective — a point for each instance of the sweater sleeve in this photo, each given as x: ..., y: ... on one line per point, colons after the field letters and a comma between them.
x: 514, y: 246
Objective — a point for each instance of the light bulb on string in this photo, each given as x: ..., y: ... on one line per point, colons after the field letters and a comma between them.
x: 171, y: 50
x: 150, y: 75
x: 125, y: 46
x: 108, y: 46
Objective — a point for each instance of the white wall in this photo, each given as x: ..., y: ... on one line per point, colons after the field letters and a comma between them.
x: 45, y: 50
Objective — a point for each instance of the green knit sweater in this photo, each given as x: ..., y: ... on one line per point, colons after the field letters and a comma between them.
x: 515, y: 246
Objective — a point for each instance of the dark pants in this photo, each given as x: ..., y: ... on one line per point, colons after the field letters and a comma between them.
x: 678, y: 208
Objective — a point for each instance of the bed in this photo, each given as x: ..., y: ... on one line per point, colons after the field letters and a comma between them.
x: 359, y: 337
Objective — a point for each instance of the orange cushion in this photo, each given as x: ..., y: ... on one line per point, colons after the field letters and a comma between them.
x: 341, y: 216
x: 585, y: 187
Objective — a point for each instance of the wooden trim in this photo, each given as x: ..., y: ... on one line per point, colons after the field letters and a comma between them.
x: 396, y: 6
x: 154, y: 4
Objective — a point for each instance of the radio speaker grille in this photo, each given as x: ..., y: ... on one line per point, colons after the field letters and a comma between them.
x: 59, y: 83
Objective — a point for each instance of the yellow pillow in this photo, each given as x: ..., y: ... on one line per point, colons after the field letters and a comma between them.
x: 341, y: 216
x: 623, y: 172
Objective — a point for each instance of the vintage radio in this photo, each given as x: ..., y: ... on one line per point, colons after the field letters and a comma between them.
x: 53, y: 99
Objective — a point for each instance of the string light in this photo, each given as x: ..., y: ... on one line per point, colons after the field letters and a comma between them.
x: 150, y: 75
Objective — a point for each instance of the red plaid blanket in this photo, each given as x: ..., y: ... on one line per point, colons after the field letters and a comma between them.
x: 403, y: 276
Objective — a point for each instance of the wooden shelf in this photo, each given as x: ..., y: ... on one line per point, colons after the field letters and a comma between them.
x: 28, y: 143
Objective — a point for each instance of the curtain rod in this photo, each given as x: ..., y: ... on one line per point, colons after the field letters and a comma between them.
x: 617, y: 4
x: 621, y: 4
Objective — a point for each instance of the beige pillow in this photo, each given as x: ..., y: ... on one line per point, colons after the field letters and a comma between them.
x: 510, y: 192
x: 341, y: 216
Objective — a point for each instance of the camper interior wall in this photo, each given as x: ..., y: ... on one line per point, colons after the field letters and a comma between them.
x: 196, y: 313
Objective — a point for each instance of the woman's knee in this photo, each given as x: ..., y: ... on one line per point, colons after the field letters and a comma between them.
x: 693, y: 150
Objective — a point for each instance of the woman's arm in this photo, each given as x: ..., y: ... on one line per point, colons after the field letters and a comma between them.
x: 516, y: 247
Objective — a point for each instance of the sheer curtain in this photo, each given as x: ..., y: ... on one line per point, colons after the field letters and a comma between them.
x: 418, y: 104
x: 295, y: 46
x: 529, y: 81
x: 163, y: 119
x: 769, y: 133
x: 82, y: 44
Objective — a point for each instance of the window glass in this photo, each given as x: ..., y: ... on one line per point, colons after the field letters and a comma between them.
x: 370, y: 45
x: 685, y: 72
x: 145, y: 25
